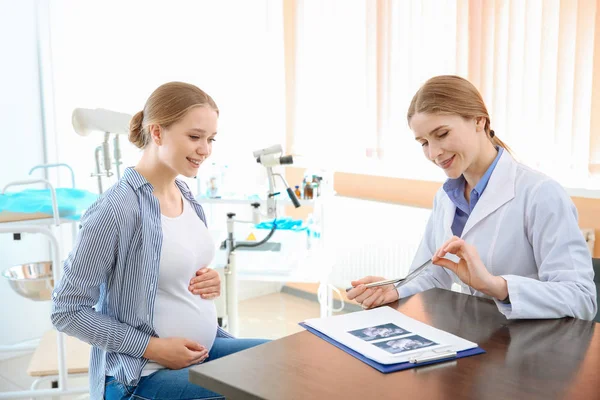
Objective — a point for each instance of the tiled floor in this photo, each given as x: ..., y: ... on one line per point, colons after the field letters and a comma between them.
x: 270, y: 317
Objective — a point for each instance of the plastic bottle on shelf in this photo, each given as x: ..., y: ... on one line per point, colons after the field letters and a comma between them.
x: 319, y: 180
x: 315, y: 189
x: 308, y: 190
x: 297, y: 192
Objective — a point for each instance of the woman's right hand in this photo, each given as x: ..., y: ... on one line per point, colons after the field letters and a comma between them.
x: 372, y: 297
x: 174, y: 352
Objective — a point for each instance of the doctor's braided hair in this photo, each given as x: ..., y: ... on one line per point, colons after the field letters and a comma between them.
x: 167, y: 105
x: 451, y: 94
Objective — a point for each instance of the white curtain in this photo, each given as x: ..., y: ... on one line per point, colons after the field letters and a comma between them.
x: 360, y: 63
x: 425, y: 39
x: 533, y: 62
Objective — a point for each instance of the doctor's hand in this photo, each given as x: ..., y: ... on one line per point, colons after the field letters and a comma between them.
x: 372, y: 297
x: 206, y: 283
x: 175, y: 352
x: 470, y: 268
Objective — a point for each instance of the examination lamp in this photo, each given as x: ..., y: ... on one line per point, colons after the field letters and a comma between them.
x: 85, y: 121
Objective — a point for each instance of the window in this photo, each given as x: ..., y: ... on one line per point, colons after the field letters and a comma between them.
x: 360, y: 62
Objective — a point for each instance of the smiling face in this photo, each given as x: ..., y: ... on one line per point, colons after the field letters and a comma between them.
x: 451, y: 142
x: 185, y: 145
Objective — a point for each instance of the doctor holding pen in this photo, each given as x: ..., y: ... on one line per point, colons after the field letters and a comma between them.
x: 498, y: 228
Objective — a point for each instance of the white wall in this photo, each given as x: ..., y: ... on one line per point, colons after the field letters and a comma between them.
x: 106, y: 55
x: 21, y: 147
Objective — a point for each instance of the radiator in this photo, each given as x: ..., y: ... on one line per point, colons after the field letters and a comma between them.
x: 371, y: 238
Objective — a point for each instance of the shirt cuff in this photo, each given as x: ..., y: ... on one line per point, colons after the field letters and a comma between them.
x: 134, y: 343
x: 406, y: 290
x: 507, y: 306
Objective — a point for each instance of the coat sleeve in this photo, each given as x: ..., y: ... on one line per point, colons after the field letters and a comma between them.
x: 86, y: 269
x: 433, y: 276
x: 565, y: 283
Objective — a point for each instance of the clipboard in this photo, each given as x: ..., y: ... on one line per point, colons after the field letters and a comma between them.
x: 387, y: 368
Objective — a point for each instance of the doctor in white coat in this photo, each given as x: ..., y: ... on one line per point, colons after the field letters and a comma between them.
x: 498, y: 228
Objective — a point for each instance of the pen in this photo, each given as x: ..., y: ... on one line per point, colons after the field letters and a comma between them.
x: 442, y: 356
x: 398, y: 281
x: 380, y: 283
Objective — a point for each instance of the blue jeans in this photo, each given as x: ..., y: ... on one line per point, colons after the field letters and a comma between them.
x: 169, y: 384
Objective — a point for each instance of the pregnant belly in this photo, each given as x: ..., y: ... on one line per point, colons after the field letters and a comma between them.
x: 188, y: 317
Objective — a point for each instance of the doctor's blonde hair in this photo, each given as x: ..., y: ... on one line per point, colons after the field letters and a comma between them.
x: 451, y: 94
x: 166, y: 106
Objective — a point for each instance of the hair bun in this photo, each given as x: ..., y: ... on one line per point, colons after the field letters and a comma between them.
x: 136, y: 131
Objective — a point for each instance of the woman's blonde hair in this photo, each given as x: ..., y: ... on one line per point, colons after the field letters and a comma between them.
x: 451, y: 94
x: 166, y: 106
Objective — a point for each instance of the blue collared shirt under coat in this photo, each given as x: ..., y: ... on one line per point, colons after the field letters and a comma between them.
x: 455, y: 189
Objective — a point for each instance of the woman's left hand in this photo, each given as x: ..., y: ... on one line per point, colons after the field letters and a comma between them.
x: 206, y: 283
x: 470, y: 268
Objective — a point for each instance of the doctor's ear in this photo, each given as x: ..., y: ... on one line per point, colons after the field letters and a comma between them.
x: 155, y: 133
x: 480, y: 124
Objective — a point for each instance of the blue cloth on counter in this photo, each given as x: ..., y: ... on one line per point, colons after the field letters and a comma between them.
x: 283, y: 223
x: 72, y: 203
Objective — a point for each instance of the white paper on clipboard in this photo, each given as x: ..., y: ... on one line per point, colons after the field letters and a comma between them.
x: 387, y: 336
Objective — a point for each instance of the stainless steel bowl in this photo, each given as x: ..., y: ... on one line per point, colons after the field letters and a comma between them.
x: 33, y: 280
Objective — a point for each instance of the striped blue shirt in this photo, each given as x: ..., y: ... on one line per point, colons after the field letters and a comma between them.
x: 107, y: 292
x: 455, y: 189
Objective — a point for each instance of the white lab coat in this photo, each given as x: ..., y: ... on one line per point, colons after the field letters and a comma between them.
x: 525, y: 229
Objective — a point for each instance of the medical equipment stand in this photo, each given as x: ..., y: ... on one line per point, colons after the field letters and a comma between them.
x: 46, y: 231
x: 103, y: 161
x: 67, y: 166
x: 268, y: 158
x: 85, y: 121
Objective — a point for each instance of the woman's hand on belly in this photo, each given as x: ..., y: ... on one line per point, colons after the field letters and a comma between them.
x: 206, y: 283
x: 175, y: 352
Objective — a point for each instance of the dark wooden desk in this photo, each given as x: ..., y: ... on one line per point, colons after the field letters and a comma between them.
x: 541, y: 359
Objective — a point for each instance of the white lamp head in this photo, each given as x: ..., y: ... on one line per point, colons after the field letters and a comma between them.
x: 86, y: 121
